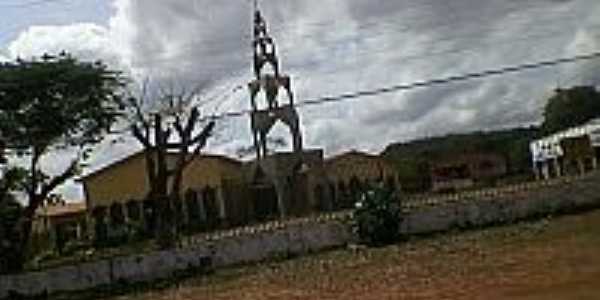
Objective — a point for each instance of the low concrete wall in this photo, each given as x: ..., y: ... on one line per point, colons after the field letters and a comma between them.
x: 294, y: 240
x: 308, y: 235
x: 561, y: 196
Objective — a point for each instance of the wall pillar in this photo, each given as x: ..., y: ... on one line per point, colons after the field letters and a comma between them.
x: 222, y: 205
x: 184, y: 211
x: 536, y: 171
x: 281, y: 198
x: 581, y: 166
x: 90, y: 225
x: 594, y: 163
x: 52, y: 236
x: 101, y: 224
x: 125, y: 211
x: 557, y: 168
x: 201, y: 208
x: 78, y: 230
x: 545, y: 170
x: 142, y: 216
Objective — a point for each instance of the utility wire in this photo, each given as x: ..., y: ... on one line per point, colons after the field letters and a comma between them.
x: 427, y: 83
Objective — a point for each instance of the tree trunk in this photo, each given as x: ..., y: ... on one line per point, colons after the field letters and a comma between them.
x: 23, y: 229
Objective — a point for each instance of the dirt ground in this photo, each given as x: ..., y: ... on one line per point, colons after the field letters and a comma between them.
x: 549, y: 259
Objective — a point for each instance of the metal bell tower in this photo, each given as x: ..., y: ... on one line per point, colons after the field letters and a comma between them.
x: 264, y: 117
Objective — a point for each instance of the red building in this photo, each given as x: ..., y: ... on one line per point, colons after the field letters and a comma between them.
x: 456, y: 172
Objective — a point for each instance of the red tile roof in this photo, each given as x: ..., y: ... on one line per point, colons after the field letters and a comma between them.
x: 61, y: 209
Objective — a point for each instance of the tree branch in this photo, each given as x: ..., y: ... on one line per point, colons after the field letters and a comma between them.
x: 143, y: 138
x: 32, y: 186
x: 60, y: 179
x: 200, y: 141
x: 203, y: 136
x: 191, y: 122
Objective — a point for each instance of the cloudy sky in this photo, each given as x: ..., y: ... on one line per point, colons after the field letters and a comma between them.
x: 329, y: 47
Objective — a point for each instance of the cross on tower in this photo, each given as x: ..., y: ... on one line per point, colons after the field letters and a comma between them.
x: 263, y: 119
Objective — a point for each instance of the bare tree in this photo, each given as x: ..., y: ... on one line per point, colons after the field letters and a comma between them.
x: 174, y: 129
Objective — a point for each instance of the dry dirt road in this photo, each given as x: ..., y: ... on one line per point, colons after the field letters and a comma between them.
x: 549, y: 259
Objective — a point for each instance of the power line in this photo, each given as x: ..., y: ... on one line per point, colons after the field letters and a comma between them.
x: 455, y: 78
x: 428, y: 83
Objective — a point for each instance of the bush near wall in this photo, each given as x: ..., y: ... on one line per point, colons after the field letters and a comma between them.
x: 378, y: 216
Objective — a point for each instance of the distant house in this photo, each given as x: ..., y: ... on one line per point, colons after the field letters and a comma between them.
x: 558, y: 153
x: 57, y: 222
x: 456, y: 172
x: 349, y: 172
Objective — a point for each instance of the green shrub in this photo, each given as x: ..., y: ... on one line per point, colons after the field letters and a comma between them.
x: 378, y: 216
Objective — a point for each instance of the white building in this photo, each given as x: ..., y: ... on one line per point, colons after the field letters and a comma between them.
x: 546, y: 152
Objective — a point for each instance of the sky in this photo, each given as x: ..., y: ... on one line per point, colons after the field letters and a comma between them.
x: 328, y: 47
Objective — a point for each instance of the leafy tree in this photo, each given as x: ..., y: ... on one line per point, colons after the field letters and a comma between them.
x: 378, y: 216
x: 49, y: 104
x: 173, y: 129
x: 571, y: 107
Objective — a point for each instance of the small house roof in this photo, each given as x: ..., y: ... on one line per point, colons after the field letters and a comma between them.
x: 61, y: 209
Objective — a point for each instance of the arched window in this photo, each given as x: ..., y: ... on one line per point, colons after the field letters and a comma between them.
x: 117, y: 216
x: 342, y: 191
x: 100, y: 226
x: 344, y: 198
x: 211, y: 208
x: 133, y: 210
x: 355, y: 187
x: 178, y: 212
x: 320, y: 198
x: 99, y: 212
x: 149, y: 210
x: 192, y: 207
x: 333, y: 195
x: 390, y: 183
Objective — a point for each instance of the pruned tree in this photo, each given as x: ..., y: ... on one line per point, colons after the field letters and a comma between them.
x: 173, y: 129
x: 49, y: 104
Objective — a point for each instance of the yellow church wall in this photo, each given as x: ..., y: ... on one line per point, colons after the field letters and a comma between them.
x: 121, y: 182
x: 126, y: 180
